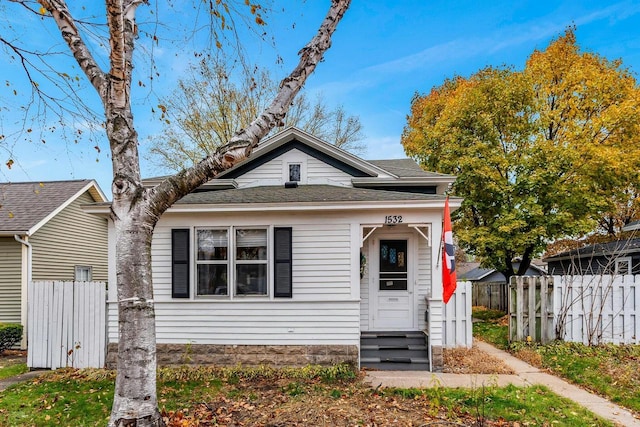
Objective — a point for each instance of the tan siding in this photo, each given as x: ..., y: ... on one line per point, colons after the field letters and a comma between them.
x: 10, y: 274
x: 71, y: 238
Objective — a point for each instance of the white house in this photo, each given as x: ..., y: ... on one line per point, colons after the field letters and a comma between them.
x: 294, y: 254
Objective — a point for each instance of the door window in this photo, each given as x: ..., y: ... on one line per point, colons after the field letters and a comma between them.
x: 393, y: 265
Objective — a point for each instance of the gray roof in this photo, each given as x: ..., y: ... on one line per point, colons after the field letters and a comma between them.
x: 25, y: 204
x: 617, y: 247
x: 301, y: 194
x: 403, y: 168
x: 476, y: 274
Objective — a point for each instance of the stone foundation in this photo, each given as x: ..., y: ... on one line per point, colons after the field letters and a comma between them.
x: 248, y: 355
x: 437, y: 360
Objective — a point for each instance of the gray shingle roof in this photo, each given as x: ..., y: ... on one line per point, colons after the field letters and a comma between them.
x: 403, y: 168
x: 617, y: 247
x: 301, y: 194
x: 25, y: 204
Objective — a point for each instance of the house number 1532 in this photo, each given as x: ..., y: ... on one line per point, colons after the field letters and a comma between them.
x: 393, y: 219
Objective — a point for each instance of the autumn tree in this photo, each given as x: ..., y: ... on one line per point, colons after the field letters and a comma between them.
x: 540, y: 154
x: 135, y: 210
x: 219, y: 96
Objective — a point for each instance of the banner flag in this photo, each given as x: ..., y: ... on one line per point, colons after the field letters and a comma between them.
x: 448, y: 261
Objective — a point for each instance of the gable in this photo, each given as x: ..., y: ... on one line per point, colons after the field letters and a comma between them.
x: 26, y: 206
x: 299, y: 147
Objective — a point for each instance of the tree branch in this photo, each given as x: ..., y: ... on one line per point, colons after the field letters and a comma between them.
x: 240, y: 146
x: 61, y: 15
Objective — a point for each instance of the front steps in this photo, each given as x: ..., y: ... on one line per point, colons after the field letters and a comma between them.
x: 394, y: 351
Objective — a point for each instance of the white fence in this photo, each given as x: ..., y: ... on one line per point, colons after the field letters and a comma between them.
x: 457, y: 323
x: 66, y: 324
x: 597, y: 309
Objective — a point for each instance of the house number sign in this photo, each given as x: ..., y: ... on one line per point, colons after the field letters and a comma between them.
x: 393, y: 219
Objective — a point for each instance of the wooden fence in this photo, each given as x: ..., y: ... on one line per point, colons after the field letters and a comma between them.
x: 597, y: 309
x: 593, y: 309
x: 66, y: 324
x: 457, y: 323
x: 531, y: 315
x: 492, y: 295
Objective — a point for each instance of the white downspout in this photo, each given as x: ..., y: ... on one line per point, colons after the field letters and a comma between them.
x: 25, y: 286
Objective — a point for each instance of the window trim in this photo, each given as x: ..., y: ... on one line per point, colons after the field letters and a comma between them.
x: 197, y: 262
x: 87, y: 268
x: 265, y: 261
x: 624, y: 259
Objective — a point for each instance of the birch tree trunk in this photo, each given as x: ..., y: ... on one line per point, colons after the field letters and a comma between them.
x: 135, y: 210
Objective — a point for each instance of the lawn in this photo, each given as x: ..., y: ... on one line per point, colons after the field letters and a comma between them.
x: 293, y: 397
x: 12, y: 363
x: 608, y: 370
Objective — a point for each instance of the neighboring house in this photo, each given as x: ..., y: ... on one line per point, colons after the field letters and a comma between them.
x: 290, y: 255
x: 617, y: 257
x: 490, y: 288
x: 45, y: 235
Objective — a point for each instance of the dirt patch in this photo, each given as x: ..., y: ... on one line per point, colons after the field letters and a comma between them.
x: 12, y: 357
x: 283, y: 403
x: 473, y: 361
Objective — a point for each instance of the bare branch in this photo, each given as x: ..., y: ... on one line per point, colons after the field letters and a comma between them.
x: 240, y: 146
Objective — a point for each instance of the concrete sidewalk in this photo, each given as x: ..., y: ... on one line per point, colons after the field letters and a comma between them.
x: 7, y: 382
x: 525, y: 375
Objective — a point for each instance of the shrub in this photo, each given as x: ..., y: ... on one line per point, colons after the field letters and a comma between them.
x: 10, y: 335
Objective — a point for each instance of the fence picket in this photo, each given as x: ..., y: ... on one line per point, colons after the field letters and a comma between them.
x: 66, y: 324
x: 597, y: 309
x: 457, y: 322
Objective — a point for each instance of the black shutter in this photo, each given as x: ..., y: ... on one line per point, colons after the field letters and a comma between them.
x: 282, y: 262
x: 180, y: 263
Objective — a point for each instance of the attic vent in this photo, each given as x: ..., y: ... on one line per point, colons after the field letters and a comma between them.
x: 291, y: 184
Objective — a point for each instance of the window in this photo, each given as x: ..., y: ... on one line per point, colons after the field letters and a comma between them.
x: 294, y: 172
x: 232, y: 262
x: 393, y: 265
x: 83, y: 273
x: 251, y: 262
x: 212, y: 262
x: 623, y: 265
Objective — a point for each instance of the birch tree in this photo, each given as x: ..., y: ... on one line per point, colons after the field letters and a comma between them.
x: 135, y: 209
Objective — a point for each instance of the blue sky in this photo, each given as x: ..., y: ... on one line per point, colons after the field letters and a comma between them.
x: 382, y: 54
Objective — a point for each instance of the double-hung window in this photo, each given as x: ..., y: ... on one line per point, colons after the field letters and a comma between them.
x: 212, y: 262
x: 251, y: 261
x: 232, y: 262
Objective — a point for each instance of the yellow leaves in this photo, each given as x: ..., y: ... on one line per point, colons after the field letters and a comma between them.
x: 42, y: 11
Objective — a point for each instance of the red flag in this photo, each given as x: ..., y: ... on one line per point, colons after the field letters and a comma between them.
x: 448, y: 261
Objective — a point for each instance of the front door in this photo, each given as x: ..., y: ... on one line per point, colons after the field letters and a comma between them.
x: 393, y: 286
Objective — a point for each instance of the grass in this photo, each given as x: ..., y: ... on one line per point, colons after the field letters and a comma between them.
x: 306, y: 396
x: 535, y: 405
x: 608, y: 370
x: 12, y: 368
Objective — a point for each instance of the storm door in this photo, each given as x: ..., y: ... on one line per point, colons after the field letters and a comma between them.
x: 393, y: 287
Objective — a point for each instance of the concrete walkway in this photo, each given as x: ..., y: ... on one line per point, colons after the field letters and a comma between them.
x: 525, y: 375
x: 7, y: 382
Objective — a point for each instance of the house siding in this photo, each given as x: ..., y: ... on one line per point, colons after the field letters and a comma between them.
x: 71, y: 238
x: 423, y: 288
x: 10, y: 280
x: 275, y: 172
x: 321, y: 311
